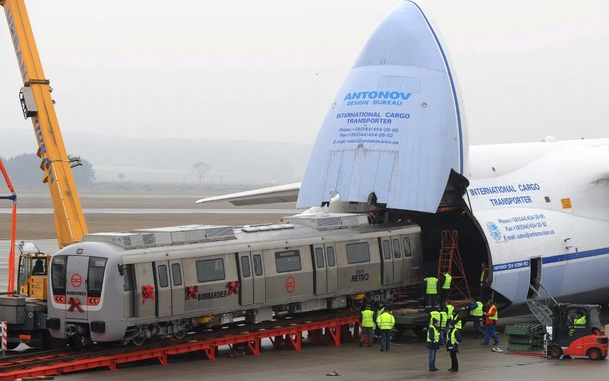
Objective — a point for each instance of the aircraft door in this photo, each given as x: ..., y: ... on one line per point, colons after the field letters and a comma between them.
x: 177, y: 287
x: 386, y: 261
x: 398, y: 265
x: 320, y: 272
x: 259, y: 278
x: 163, y: 297
x: 246, y: 293
x: 331, y: 270
x: 76, y: 287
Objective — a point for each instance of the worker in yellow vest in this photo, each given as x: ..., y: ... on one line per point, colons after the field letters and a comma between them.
x: 484, y: 283
x: 476, y: 311
x: 431, y: 292
x: 452, y: 345
x: 433, y: 343
x: 367, y: 323
x: 385, y: 322
x: 443, y: 326
x: 445, y: 282
x: 579, y: 322
x: 492, y: 317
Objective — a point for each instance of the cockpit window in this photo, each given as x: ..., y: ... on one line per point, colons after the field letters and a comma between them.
x: 95, y: 278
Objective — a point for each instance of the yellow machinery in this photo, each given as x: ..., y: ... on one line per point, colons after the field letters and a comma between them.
x: 33, y: 275
x: 37, y: 104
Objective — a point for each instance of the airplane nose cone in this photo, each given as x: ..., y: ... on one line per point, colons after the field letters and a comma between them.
x: 404, y: 39
x: 394, y: 128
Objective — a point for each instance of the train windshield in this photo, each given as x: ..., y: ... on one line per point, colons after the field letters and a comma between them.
x: 58, y: 275
x: 95, y: 278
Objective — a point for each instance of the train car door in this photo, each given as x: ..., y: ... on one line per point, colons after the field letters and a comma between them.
x: 320, y: 273
x: 163, y: 294
x: 398, y: 265
x: 246, y: 292
x: 145, y: 290
x: 259, y: 278
x: 409, y: 261
x: 331, y: 269
x: 76, y: 287
x: 177, y: 287
x: 386, y: 261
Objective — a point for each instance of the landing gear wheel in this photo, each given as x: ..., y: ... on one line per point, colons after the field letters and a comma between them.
x: 138, y: 340
x: 594, y: 354
x: 179, y: 334
x: 555, y: 352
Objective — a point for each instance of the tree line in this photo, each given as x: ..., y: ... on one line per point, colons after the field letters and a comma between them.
x: 24, y: 171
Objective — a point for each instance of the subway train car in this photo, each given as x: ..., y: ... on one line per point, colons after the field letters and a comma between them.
x: 159, y: 282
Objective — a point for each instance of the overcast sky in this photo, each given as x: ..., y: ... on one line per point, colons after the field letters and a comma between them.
x: 269, y: 69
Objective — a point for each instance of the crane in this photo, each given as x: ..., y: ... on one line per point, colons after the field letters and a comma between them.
x: 37, y: 104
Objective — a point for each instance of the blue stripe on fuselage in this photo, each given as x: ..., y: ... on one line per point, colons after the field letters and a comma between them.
x: 552, y: 259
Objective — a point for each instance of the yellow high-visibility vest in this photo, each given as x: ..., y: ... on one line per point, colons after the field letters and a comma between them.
x: 434, y: 315
x: 451, y: 336
x: 478, y: 310
x: 367, y: 319
x: 447, y: 279
x: 385, y: 321
x: 436, y: 335
x: 432, y: 285
x: 443, y: 319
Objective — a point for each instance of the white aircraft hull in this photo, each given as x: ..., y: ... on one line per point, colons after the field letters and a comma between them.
x: 550, y: 206
x: 395, y: 137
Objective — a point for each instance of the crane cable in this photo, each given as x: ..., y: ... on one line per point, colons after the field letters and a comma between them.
x: 11, y: 256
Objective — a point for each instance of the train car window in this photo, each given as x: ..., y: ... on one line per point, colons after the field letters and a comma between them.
x: 58, y: 275
x: 358, y: 252
x: 331, y: 258
x: 210, y: 269
x: 163, y: 276
x: 407, y: 248
x: 257, y: 265
x: 245, y: 267
x: 287, y: 261
x: 176, y: 274
x: 386, y: 250
x: 95, y: 278
x: 128, y: 277
x: 397, y: 249
x: 319, y: 257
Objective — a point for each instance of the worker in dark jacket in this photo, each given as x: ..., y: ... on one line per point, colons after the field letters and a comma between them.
x: 433, y: 343
x: 452, y: 345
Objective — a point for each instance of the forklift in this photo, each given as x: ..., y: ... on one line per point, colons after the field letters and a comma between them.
x: 577, y: 332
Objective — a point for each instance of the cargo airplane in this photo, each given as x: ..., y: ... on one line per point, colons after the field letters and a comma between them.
x: 393, y: 143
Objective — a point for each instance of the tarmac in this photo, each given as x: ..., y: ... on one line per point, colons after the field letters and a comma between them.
x: 404, y: 361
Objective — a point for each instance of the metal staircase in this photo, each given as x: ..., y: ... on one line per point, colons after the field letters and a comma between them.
x: 450, y: 259
x: 540, y: 303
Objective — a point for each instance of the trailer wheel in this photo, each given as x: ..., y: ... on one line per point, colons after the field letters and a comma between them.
x: 138, y: 340
x: 594, y: 354
x: 555, y: 352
